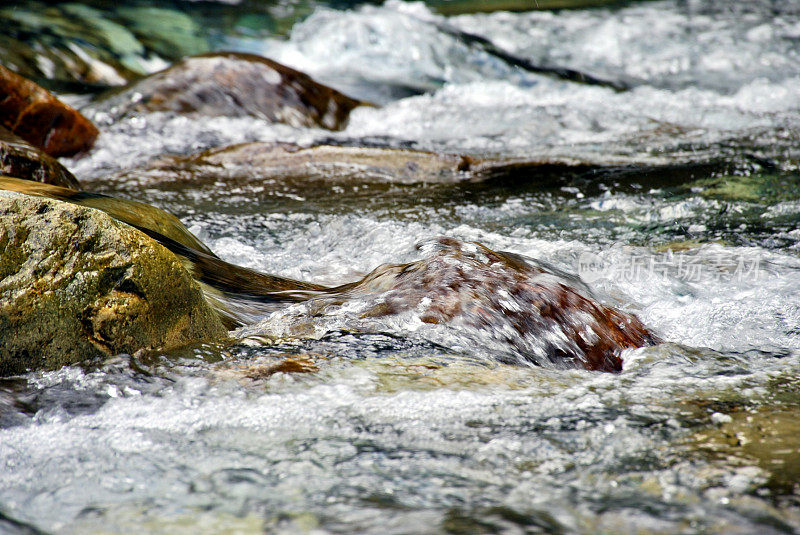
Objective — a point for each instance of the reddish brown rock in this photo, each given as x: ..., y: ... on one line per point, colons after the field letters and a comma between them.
x: 233, y: 84
x: 491, y: 304
x: 20, y: 159
x: 39, y: 118
x: 512, y: 307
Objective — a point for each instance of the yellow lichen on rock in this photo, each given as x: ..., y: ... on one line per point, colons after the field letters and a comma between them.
x: 76, y: 284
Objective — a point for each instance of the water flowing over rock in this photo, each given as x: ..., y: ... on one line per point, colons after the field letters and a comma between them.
x: 75, y: 284
x: 214, y: 274
x: 20, y: 159
x: 516, y: 309
x: 287, y: 163
x: 233, y: 84
x: 38, y: 117
x: 139, y: 215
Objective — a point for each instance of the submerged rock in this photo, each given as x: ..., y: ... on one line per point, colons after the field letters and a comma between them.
x: 514, y: 308
x: 234, y: 84
x: 88, y: 48
x: 20, y: 159
x: 288, y: 163
x: 767, y: 437
x: 39, y: 118
x: 76, y: 284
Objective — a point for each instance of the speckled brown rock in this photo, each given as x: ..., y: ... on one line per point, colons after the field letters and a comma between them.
x: 523, y: 311
x: 233, y: 84
x: 35, y: 115
x: 75, y: 284
x: 20, y: 159
x: 515, y: 309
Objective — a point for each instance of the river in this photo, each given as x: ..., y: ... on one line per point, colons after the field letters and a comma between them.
x: 690, y: 221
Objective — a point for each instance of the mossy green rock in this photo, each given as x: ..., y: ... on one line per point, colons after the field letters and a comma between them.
x: 76, y: 284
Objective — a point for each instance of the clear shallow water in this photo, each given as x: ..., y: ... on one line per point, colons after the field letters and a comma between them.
x: 410, y: 430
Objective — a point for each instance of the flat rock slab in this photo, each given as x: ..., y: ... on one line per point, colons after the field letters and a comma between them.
x: 263, y: 161
x: 233, y: 84
x: 20, y: 159
x: 76, y: 284
x: 34, y: 114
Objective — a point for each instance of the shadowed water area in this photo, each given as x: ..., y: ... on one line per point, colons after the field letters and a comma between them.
x: 646, y: 153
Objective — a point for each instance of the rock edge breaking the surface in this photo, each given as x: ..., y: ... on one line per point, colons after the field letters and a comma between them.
x: 234, y: 85
x: 20, y: 159
x: 76, y: 284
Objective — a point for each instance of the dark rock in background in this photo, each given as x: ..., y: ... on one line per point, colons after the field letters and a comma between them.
x: 234, y: 84
x: 20, y: 159
x: 39, y: 118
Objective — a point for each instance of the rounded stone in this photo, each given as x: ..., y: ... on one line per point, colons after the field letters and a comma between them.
x: 38, y: 117
x: 76, y: 284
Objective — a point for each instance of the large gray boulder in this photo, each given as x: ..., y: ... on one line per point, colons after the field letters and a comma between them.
x: 76, y: 284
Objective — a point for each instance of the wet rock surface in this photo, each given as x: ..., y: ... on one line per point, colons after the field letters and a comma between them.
x: 235, y: 84
x: 75, y: 284
x: 140, y: 215
x: 38, y: 117
x: 85, y: 46
x: 518, y: 310
x: 20, y: 159
x: 289, y: 163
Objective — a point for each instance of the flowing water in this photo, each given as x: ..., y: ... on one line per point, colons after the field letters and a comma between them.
x: 321, y: 424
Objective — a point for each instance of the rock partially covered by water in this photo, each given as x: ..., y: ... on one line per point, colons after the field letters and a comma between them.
x: 468, y: 297
x: 39, y: 118
x: 233, y: 84
x: 289, y: 163
x: 76, y: 284
x: 521, y: 310
x: 20, y: 159
x: 139, y: 215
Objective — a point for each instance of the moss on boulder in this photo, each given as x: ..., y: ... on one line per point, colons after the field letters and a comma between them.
x: 76, y: 284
